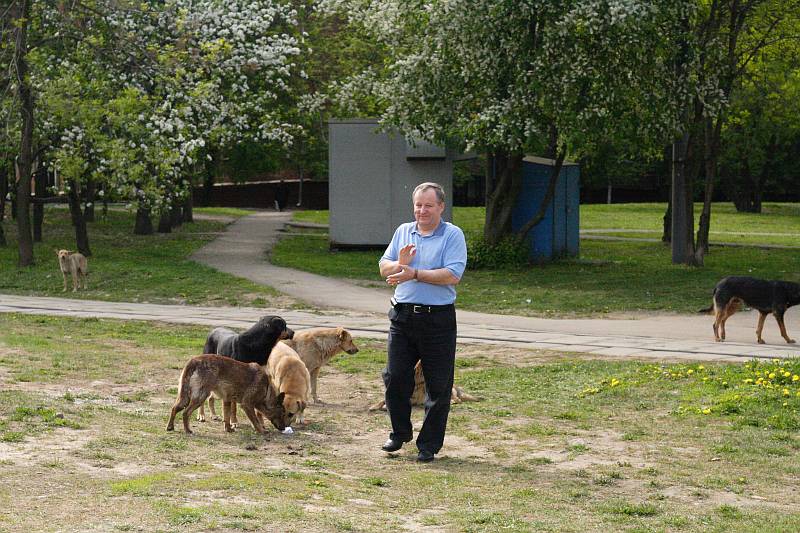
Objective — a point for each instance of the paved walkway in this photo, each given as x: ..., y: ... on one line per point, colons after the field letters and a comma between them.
x: 242, y: 251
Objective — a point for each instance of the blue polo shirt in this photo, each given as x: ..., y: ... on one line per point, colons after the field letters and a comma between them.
x: 444, y: 248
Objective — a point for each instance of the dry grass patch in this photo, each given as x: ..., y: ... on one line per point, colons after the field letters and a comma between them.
x: 539, y: 453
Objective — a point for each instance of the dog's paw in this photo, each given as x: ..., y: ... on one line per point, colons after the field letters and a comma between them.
x: 762, y: 341
x: 201, y: 418
x: 216, y: 418
x: 791, y: 341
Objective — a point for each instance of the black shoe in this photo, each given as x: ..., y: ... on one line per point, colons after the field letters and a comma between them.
x: 424, y: 456
x: 392, y: 445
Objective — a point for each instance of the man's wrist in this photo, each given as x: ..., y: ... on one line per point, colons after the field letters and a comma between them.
x: 416, y: 274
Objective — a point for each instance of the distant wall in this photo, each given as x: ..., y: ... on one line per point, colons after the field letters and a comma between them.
x: 261, y: 194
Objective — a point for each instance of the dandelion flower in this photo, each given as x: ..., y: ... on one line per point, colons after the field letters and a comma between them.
x: 706, y: 411
x: 795, y: 378
x: 772, y: 375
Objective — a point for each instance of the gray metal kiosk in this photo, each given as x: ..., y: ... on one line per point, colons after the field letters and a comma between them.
x: 371, y: 177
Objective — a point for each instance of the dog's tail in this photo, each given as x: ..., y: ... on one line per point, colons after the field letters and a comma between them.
x: 710, y: 308
x: 464, y: 397
x: 184, y: 389
x: 380, y: 406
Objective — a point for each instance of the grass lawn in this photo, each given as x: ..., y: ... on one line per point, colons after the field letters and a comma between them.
x: 781, y: 220
x: 558, y: 443
x: 611, y: 277
x: 127, y: 267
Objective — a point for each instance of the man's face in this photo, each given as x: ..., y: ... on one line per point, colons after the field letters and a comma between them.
x: 427, y: 209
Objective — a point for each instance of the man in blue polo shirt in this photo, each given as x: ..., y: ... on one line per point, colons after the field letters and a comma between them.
x: 424, y: 261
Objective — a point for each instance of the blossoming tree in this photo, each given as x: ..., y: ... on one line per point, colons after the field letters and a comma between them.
x: 506, y: 77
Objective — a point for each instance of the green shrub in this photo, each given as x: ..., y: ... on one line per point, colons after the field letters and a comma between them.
x: 509, y: 252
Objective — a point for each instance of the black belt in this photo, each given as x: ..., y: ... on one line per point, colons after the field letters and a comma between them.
x: 419, y: 308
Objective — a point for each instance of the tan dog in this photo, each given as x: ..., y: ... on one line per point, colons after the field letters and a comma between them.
x: 317, y: 346
x: 233, y: 381
x: 418, y: 396
x: 291, y: 379
x: 73, y: 263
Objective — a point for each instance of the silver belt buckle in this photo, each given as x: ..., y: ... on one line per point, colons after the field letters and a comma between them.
x: 418, y: 308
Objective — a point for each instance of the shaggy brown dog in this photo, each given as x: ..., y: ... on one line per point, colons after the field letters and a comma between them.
x: 317, y: 346
x: 290, y: 378
x: 763, y: 295
x: 74, y: 264
x: 233, y: 381
x: 457, y: 395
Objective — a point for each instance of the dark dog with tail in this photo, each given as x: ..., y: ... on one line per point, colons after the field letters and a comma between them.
x: 765, y: 296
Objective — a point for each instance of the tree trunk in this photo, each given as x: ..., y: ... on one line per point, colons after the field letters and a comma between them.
x: 208, y: 186
x: 4, y: 188
x: 712, y: 132
x: 88, y: 209
x: 81, y: 236
x: 682, y: 209
x: 503, y: 185
x: 3, y: 193
x: 21, y: 20
x: 144, y: 224
x: 666, y: 236
x: 165, y: 221
x: 38, y: 207
x: 188, y: 208
x: 176, y: 216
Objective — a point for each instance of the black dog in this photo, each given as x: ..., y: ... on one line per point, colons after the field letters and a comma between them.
x: 763, y: 295
x: 251, y: 346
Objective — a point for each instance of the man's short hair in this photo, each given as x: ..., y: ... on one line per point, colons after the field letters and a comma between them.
x: 422, y: 187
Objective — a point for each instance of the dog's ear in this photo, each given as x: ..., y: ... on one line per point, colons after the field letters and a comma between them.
x: 340, y: 333
x: 279, y: 398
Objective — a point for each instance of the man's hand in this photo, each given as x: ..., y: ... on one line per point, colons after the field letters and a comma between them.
x: 406, y: 254
x: 406, y: 274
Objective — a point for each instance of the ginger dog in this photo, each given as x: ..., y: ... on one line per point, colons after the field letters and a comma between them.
x: 74, y: 264
x: 317, y: 346
x: 233, y: 381
x: 418, y: 396
x: 290, y: 378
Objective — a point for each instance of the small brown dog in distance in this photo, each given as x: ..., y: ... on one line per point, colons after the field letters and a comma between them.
x: 290, y: 378
x: 74, y: 264
x: 232, y: 381
x: 317, y: 346
x: 457, y: 395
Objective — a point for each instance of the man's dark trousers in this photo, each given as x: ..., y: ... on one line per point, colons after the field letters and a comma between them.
x: 430, y: 336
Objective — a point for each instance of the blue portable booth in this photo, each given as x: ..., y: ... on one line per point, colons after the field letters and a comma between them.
x: 557, y: 234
